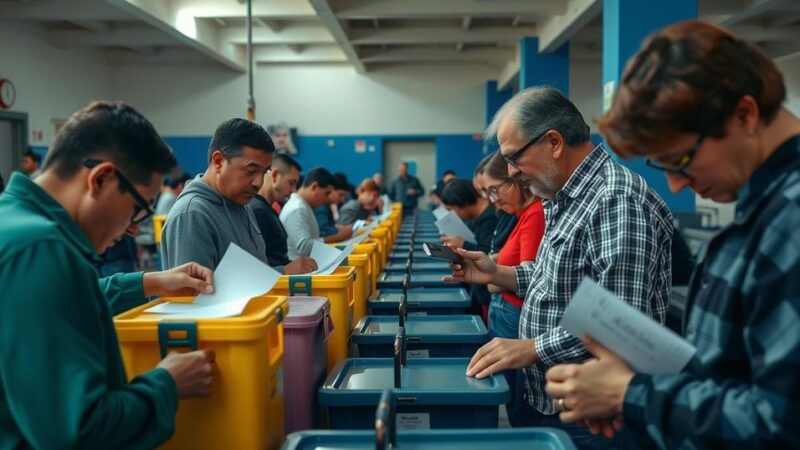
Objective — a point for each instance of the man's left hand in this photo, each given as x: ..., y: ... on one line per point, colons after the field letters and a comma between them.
x: 501, y: 354
x: 182, y: 281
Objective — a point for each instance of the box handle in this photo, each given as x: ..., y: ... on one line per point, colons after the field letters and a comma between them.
x: 385, y: 419
x: 165, y: 342
x: 406, y: 283
x: 403, y: 310
x: 300, y: 285
x: 399, y: 355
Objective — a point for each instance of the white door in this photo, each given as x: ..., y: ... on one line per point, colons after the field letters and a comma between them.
x: 421, y: 158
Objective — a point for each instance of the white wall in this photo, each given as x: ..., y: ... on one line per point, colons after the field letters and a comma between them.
x: 585, y: 90
x: 318, y: 99
x: 51, y: 83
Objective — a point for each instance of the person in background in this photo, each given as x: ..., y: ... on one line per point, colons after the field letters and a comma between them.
x: 213, y: 212
x: 30, y: 163
x: 603, y: 222
x: 279, y: 184
x: 63, y: 380
x: 406, y: 189
x: 707, y: 108
x: 362, y: 207
x: 297, y: 216
x: 328, y: 229
x: 378, y: 179
x: 168, y: 198
x: 448, y: 176
x: 513, y: 197
x: 461, y: 197
x: 505, y: 221
x: 345, y: 192
x: 436, y: 195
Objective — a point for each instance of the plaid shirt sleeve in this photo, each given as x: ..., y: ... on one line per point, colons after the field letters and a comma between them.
x: 630, y: 257
x: 524, y: 275
x: 760, y: 410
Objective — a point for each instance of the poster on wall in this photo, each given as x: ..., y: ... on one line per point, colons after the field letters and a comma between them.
x: 284, y: 137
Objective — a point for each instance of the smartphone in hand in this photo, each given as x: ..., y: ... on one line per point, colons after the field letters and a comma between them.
x: 442, y: 252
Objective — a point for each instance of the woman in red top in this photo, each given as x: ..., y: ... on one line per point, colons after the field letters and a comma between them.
x: 512, y: 196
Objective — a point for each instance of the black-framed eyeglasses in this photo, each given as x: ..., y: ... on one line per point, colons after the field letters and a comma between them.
x: 514, y: 157
x: 142, y: 210
x: 683, y: 162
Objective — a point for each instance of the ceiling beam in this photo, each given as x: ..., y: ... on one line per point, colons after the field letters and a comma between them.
x: 292, y: 34
x: 97, y: 26
x: 272, y: 9
x: 557, y: 30
x: 200, y: 35
x: 311, y: 54
x: 786, y: 18
x: 173, y: 55
x: 140, y: 37
x: 509, y: 72
x: 433, y: 35
x: 275, y: 25
x: 751, y: 9
x: 337, y: 30
x: 442, y: 54
x: 466, y: 22
x: 61, y: 10
x: 459, y: 46
x: 444, y: 9
x: 296, y: 48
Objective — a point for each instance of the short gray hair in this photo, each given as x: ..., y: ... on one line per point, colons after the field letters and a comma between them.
x: 538, y: 109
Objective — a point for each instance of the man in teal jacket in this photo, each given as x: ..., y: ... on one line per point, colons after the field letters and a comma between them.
x: 62, y: 380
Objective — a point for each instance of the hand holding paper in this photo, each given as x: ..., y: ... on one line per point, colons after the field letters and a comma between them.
x: 452, y: 225
x: 239, y: 277
x: 643, y: 343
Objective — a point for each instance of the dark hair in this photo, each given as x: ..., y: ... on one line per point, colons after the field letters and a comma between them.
x: 538, y: 109
x: 448, y: 172
x: 283, y: 161
x: 688, y: 78
x: 110, y: 131
x: 32, y: 155
x: 481, y: 167
x: 2, y: 184
x: 233, y: 134
x: 322, y: 177
x: 459, y: 192
x: 340, y: 182
x: 182, y: 179
x: 300, y: 180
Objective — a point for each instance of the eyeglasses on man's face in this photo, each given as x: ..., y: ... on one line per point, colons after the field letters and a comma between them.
x: 682, y: 163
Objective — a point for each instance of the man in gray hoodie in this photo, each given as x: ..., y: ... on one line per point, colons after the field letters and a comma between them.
x: 212, y: 211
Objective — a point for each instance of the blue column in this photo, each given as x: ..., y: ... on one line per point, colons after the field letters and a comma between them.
x: 495, y: 99
x: 626, y: 23
x: 537, y: 69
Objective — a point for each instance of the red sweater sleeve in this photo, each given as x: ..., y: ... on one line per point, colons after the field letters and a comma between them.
x: 532, y: 229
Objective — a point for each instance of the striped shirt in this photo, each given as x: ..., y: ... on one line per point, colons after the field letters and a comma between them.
x: 607, y: 224
x: 743, y: 389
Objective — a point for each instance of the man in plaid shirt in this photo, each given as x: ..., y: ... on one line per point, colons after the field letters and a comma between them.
x: 707, y: 108
x: 603, y: 221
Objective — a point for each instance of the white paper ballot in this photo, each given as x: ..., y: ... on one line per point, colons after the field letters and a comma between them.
x: 328, y: 258
x: 358, y: 224
x: 452, y: 225
x: 387, y: 202
x: 440, y: 212
x: 357, y: 239
x: 643, y: 343
x: 239, y: 277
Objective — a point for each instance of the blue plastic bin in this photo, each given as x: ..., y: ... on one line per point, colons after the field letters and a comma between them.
x: 434, y: 393
x: 505, y: 439
x: 435, y: 301
x: 426, y: 279
x: 426, y: 336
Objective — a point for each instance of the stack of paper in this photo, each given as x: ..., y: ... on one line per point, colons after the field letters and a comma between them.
x: 452, y: 225
x: 643, y: 343
x: 239, y: 277
x: 328, y: 258
x: 440, y: 212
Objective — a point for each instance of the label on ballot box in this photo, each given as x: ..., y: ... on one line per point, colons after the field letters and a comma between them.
x: 420, y: 353
x: 418, y: 421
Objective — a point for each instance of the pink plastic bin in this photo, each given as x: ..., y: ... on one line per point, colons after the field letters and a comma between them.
x: 306, y: 329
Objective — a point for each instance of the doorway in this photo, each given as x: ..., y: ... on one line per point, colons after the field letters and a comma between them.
x: 421, y: 158
x: 13, y: 141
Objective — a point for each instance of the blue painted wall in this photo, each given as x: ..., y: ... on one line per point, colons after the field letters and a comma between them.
x: 535, y: 69
x: 460, y: 153
x: 495, y: 99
